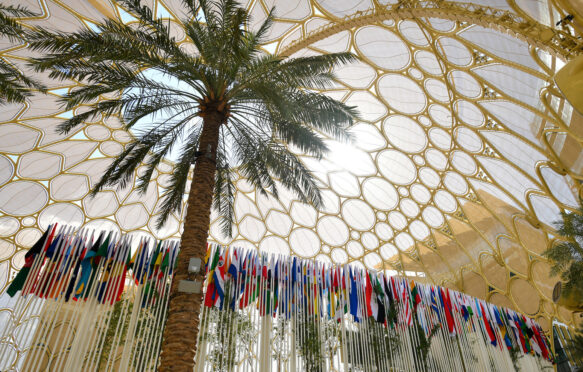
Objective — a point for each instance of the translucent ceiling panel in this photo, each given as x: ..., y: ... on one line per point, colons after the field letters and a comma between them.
x: 450, y: 172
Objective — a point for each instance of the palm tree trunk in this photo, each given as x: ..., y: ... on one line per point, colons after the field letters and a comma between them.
x: 181, y: 331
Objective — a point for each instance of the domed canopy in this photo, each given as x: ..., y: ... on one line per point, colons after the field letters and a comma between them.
x: 465, y: 155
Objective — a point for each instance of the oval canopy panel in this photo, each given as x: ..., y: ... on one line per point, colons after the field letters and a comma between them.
x: 462, y: 161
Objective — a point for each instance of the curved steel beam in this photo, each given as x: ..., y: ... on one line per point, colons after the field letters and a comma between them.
x: 554, y: 41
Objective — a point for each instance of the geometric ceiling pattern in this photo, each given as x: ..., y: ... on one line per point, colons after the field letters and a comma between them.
x: 465, y: 155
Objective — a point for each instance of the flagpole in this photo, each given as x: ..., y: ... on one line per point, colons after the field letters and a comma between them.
x: 137, y: 286
x: 140, y: 278
x: 49, y: 277
x: 122, y: 317
x: 84, y: 244
x: 154, y: 306
x: 167, y: 279
x: 364, y: 326
x: 76, y: 307
x: 119, y: 251
x: 23, y: 301
x: 106, y: 283
x: 144, y: 294
x: 264, y: 348
x: 201, y: 351
x: 36, y: 307
x: 81, y: 338
x: 76, y: 246
x: 90, y: 352
x: 44, y: 331
x: 133, y: 321
x: 44, y: 314
x: 232, y: 319
x: 290, y: 316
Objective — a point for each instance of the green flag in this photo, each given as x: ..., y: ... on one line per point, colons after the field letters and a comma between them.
x: 214, y: 262
x: 155, y: 256
x: 102, y: 251
x: 165, y: 261
x: 129, y: 262
x: 378, y: 288
x: 20, y: 278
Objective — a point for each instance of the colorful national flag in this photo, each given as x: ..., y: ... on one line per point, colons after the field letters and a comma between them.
x: 211, y: 293
x: 20, y: 278
x: 415, y: 297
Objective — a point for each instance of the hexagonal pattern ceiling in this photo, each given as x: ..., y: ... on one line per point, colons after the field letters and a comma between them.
x: 464, y: 158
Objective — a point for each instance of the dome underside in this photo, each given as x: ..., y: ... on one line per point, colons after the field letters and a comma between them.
x: 465, y: 156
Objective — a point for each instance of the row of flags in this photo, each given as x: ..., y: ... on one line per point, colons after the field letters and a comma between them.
x: 64, y: 265
x: 68, y: 266
x: 282, y: 286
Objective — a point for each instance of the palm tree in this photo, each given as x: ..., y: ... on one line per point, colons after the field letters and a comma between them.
x: 14, y: 85
x: 240, y: 112
x: 566, y: 258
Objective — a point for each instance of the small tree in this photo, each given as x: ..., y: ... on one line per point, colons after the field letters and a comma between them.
x: 226, y: 331
x: 422, y: 350
x: 567, y: 256
x: 566, y: 259
x: 308, y: 342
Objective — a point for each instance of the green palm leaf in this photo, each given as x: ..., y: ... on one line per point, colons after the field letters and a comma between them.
x: 268, y: 101
x: 15, y: 86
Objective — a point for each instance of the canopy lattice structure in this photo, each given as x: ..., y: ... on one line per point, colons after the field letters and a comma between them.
x: 465, y: 156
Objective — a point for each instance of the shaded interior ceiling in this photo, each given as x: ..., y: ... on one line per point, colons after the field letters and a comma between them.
x: 465, y: 156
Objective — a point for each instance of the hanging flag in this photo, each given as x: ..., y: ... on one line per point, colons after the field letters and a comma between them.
x: 140, y: 268
x: 381, y: 315
x: 406, y: 298
x: 415, y: 297
x: 434, y: 306
x: 275, y: 279
x: 45, y: 278
x: 87, y: 268
x: 211, y: 295
x: 99, y: 252
x: 488, y: 326
x: 62, y: 268
x: 525, y: 332
x: 207, y: 257
x: 368, y: 296
x: 391, y: 310
x: 20, y: 278
x: 219, y: 278
x: 250, y: 281
x: 353, y: 296
x: 446, y: 305
x: 126, y: 265
x: 105, y: 281
x: 77, y: 268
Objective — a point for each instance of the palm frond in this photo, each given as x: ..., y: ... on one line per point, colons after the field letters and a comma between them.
x: 15, y: 86
x: 173, y: 197
x: 224, y: 194
x: 269, y: 102
x: 566, y: 256
x: 9, y: 25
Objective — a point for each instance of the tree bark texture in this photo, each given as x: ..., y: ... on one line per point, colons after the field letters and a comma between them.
x: 181, y: 331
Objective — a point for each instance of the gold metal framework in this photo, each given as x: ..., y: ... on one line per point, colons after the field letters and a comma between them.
x: 466, y: 154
